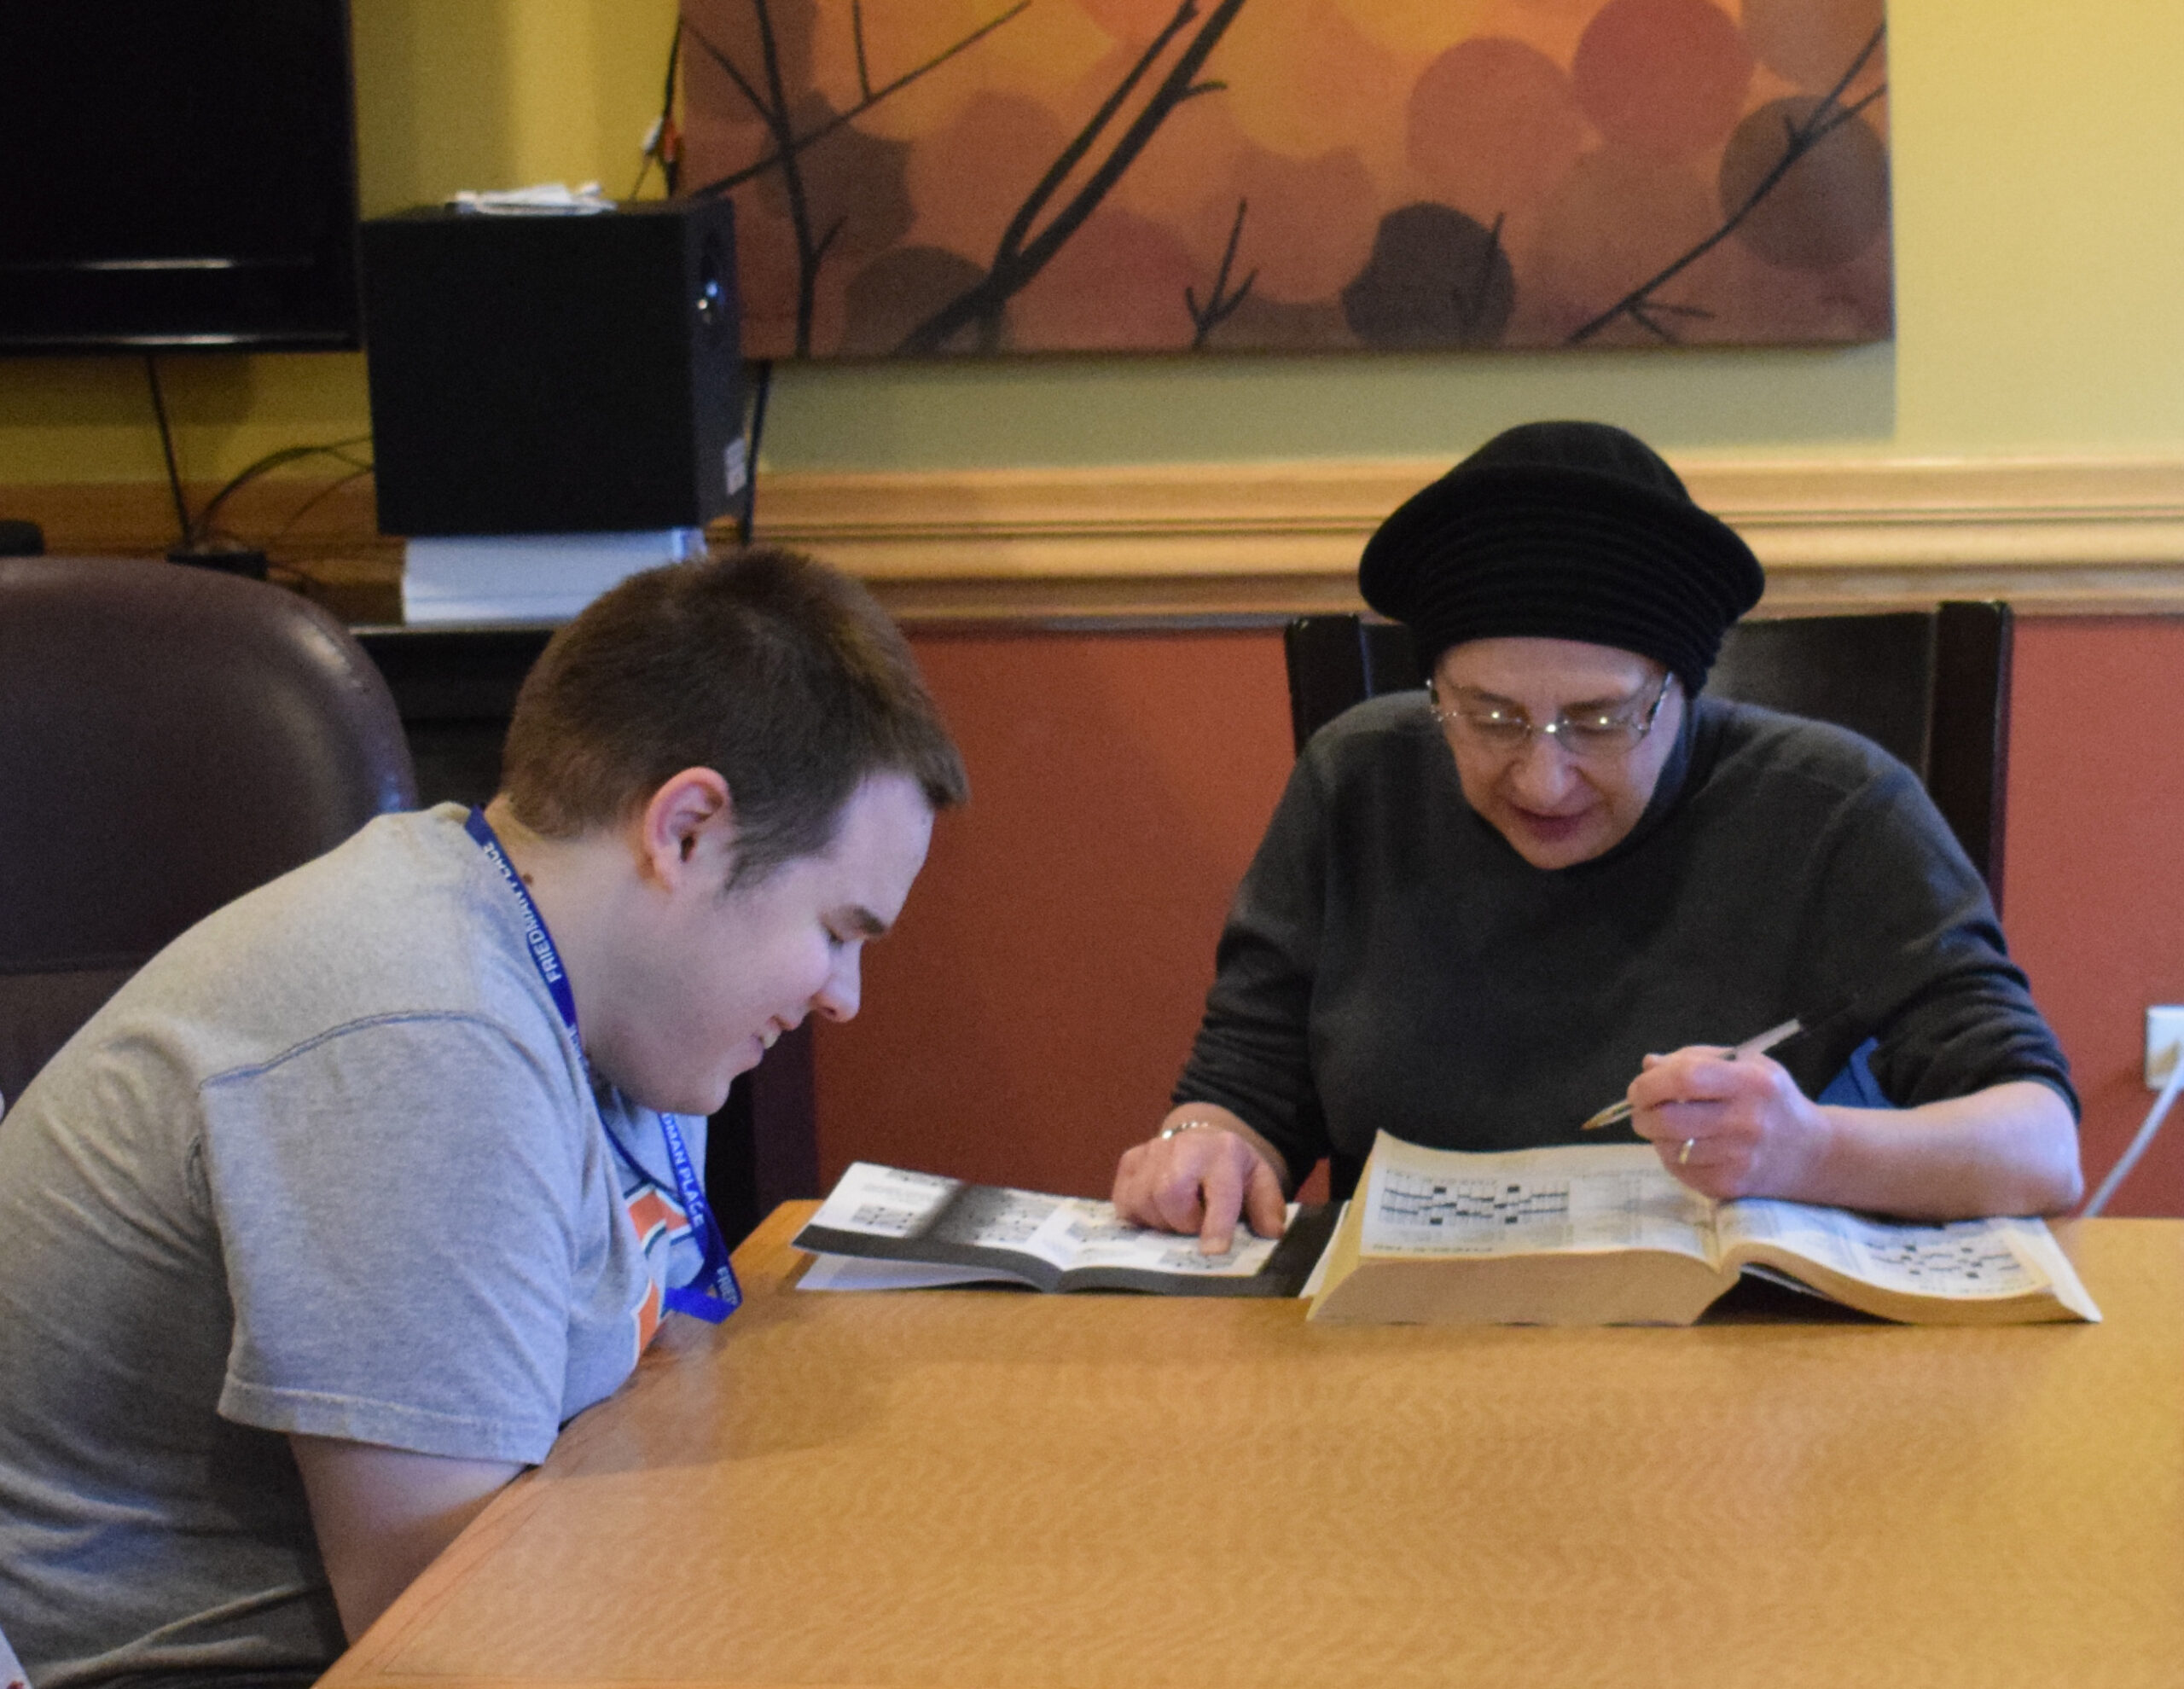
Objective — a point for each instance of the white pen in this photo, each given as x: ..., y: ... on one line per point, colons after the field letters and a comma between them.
x: 1750, y: 1046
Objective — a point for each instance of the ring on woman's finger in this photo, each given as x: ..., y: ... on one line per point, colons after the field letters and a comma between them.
x: 1683, y: 1155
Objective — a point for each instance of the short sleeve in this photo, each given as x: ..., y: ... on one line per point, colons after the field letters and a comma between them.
x: 399, y: 1205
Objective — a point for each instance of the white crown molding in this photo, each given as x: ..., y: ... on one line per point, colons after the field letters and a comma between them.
x: 2075, y: 535
x: 2056, y: 535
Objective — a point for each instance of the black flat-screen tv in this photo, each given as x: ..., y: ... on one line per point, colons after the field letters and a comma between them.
x: 176, y: 173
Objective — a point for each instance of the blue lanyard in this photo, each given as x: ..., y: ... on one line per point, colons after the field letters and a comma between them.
x: 714, y: 1294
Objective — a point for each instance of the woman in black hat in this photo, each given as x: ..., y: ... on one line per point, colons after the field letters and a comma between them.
x: 1480, y: 910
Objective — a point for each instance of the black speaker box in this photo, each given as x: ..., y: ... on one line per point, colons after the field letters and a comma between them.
x: 535, y: 374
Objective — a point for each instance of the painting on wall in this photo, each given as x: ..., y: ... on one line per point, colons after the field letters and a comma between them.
x: 966, y: 176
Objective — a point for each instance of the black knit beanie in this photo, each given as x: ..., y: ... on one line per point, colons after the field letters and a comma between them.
x: 1563, y: 531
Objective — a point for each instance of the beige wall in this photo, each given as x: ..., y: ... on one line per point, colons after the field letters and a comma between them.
x: 2040, y: 238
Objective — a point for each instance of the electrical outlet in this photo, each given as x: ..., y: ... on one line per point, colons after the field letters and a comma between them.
x: 2164, y: 1042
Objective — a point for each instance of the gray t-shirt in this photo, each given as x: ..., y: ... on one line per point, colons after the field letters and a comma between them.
x: 330, y: 1164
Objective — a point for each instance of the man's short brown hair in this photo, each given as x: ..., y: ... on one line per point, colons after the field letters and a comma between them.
x: 781, y: 675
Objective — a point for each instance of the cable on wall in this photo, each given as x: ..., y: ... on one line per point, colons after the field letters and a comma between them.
x: 166, y: 445
x: 201, y: 542
x: 2122, y: 1170
x: 342, y: 451
x: 664, y: 141
x: 762, y: 384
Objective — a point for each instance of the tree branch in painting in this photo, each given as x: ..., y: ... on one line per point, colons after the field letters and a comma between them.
x: 1641, y: 304
x: 774, y: 108
x: 870, y: 97
x: 1020, y: 256
x: 1221, y: 303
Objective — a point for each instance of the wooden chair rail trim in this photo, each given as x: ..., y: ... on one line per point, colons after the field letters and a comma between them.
x: 1259, y: 540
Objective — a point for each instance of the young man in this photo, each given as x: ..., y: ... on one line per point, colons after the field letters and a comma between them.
x: 321, y: 1230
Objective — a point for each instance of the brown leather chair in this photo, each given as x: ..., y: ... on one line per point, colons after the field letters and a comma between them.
x: 170, y: 738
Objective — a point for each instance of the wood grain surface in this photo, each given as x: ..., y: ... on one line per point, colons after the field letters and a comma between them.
x: 972, y: 1488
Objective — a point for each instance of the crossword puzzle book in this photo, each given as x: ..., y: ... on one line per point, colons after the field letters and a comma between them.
x: 883, y: 1228
x: 1602, y: 1235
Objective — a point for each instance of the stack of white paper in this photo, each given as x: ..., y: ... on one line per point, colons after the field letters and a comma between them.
x: 528, y: 578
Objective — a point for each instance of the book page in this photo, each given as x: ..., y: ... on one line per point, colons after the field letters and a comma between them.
x: 1576, y: 1199
x: 883, y: 1202
x: 1096, y: 1238
x: 1964, y: 1259
x: 1066, y: 1233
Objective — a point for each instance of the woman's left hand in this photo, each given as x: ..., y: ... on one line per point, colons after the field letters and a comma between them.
x: 1728, y: 1128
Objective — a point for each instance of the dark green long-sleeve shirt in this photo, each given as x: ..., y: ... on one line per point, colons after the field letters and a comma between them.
x: 1391, y: 962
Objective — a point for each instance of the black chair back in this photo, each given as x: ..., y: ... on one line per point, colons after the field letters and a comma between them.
x: 1931, y: 688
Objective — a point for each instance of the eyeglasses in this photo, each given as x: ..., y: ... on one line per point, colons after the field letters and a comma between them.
x: 1596, y: 735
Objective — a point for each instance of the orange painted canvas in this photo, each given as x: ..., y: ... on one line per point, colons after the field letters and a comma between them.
x: 965, y: 177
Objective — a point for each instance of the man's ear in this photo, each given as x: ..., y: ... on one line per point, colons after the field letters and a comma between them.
x: 688, y: 826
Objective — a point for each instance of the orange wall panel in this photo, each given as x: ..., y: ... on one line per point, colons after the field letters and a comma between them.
x: 2096, y: 866
x: 1025, y: 1020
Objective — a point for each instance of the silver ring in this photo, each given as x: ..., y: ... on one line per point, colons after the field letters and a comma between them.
x: 1683, y: 1155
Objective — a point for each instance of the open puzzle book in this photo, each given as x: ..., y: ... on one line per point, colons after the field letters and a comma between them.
x: 1601, y: 1234
x: 883, y: 1228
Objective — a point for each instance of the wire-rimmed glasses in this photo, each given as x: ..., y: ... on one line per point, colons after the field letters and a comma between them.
x: 1597, y: 735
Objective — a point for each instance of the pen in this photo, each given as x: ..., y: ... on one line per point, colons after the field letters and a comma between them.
x: 1750, y: 1046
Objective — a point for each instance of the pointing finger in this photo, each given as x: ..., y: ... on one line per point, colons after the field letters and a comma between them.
x: 1263, y: 1201
x: 1222, y: 1188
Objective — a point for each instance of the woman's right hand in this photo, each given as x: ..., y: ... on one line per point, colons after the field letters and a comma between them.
x: 1202, y: 1179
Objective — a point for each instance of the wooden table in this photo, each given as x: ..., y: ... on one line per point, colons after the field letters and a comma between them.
x: 980, y: 1489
